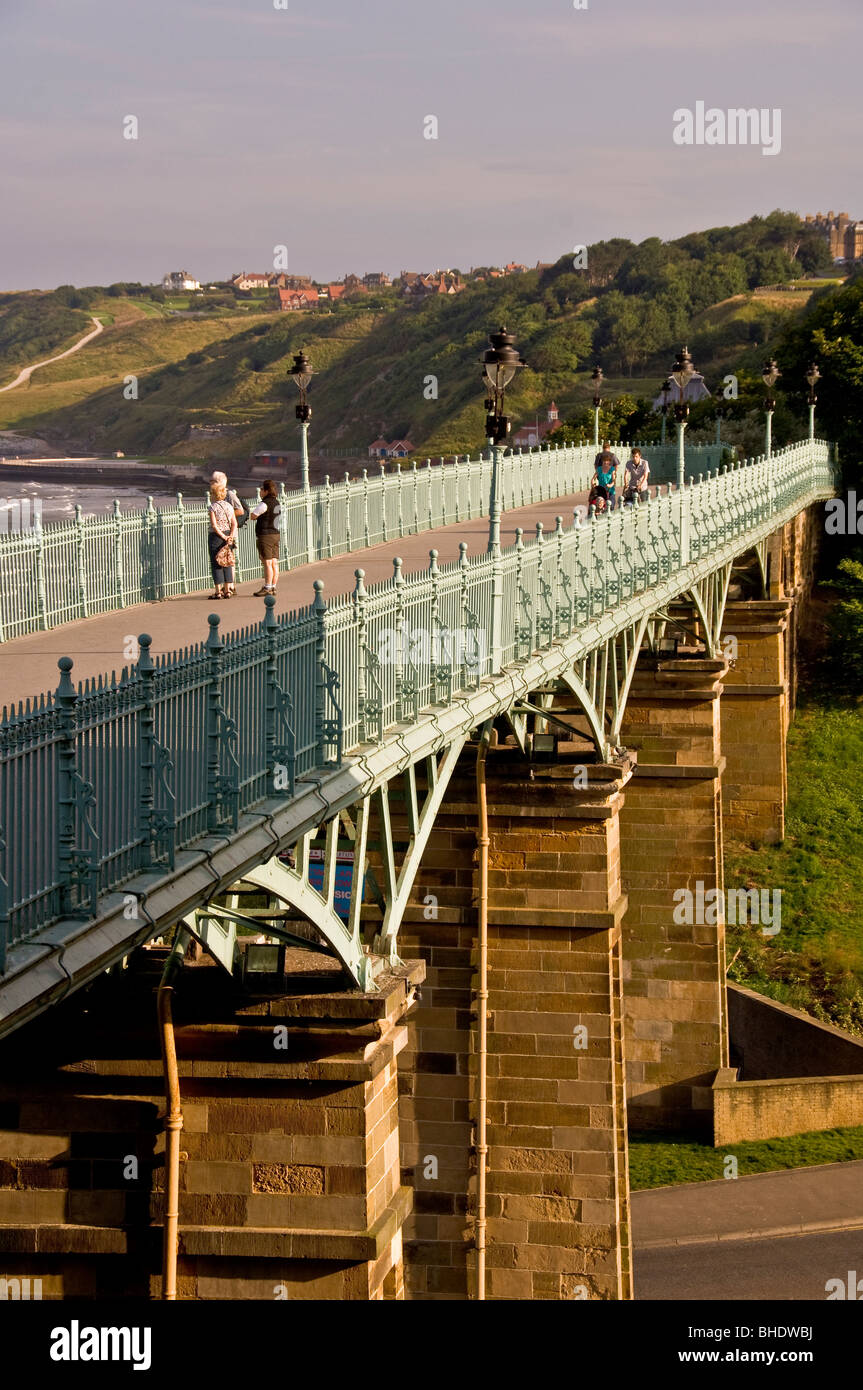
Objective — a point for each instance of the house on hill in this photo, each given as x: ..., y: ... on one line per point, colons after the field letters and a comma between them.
x: 179, y: 280
x: 417, y: 286
x: 395, y: 449
x: 295, y: 301
x: 283, y: 281
x: 250, y: 280
x: 530, y: 435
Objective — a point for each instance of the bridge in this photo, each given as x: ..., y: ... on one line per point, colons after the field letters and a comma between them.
x: 495, y: 771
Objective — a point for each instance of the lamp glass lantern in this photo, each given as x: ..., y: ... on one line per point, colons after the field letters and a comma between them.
x: 681, y: 374
x: 770, y: 375
x: 301, y: 371
x: 500, y: 363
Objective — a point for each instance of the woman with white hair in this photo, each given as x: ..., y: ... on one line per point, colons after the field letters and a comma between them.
x: 222, y: 539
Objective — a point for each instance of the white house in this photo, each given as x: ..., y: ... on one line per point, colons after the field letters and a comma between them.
x: 179, y: 280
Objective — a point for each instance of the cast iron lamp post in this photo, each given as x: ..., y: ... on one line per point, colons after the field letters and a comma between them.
x: 301, y: 371
x: 500, y: 363
x: 770, y: 376
x: 813, y: 376
x: 681, y: 374
x: 597, y: 402
x: 666, y: 396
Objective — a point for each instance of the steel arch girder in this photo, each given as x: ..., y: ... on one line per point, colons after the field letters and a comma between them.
x: 291, y: 888
x: 617, y: 680
x: 582, y: 694
x: 400, y: 884
x: 709, y: 597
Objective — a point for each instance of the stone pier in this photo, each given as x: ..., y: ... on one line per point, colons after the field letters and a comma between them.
x: 673, y: 946
x: 755, y: 717
x: 558, y: 1220
x: 290, y: 1185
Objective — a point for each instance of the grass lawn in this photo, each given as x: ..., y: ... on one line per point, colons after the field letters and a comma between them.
x: 664, y: 1162
x: 815, y: 962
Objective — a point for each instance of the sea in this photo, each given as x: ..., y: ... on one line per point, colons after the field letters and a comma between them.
x: 58, y: 500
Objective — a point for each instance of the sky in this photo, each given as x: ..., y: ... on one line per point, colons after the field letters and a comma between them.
x: 304, y: 127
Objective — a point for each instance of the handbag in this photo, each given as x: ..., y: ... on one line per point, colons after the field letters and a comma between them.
x: 224, y: 559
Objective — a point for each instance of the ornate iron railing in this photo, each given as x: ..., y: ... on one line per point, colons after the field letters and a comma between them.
x: 66, y: 570
x: 104, y: 780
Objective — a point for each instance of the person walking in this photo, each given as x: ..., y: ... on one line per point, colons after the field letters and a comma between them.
x: 268, y: 535
x: 606, y: 465
x: 222, y: 540
x: 636, y: 475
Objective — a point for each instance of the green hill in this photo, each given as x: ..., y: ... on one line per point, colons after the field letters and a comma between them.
x: 215, y: 382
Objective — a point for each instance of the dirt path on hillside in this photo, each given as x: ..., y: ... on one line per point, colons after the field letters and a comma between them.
x: 27, y: 372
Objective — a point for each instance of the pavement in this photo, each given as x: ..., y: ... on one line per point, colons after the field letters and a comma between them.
x: 828, y: 1197
x: 28, y: 665
x: 782, y: 1268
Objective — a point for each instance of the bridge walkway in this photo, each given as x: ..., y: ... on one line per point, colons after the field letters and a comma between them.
x: 28, y: 665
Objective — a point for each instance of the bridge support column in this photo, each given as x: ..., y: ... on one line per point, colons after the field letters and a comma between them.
x: 558, y: 1209
x: 755, y: 718
x: 290, y: 1184
x: 673, y: 946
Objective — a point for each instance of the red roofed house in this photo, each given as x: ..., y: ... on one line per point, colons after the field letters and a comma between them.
x: 335, y: 291
x: 396, y: 449
x: 530, y: 435
x: 290, y: 301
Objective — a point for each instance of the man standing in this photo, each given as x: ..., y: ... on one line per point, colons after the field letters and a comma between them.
x: 635, y: 478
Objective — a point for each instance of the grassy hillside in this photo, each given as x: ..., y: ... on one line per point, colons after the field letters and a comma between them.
x: 374, y: 358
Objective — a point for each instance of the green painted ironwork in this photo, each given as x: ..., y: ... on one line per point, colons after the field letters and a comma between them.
x: 106, y: 779
x: 73, y: 569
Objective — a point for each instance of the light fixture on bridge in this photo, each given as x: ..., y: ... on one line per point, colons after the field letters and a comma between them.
x: 681, y: 374
x: 301, y: 371
x: 665, y: 391
x: 770, y: 375
x: 596, y: 380
x: 500, y: 363
x: 813, y: 376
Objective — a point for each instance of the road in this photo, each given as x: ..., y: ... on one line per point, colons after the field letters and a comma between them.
x: 782, y: 1267
x: 27, y: 372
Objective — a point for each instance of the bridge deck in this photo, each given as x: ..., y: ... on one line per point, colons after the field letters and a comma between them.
x: 28, y: 665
